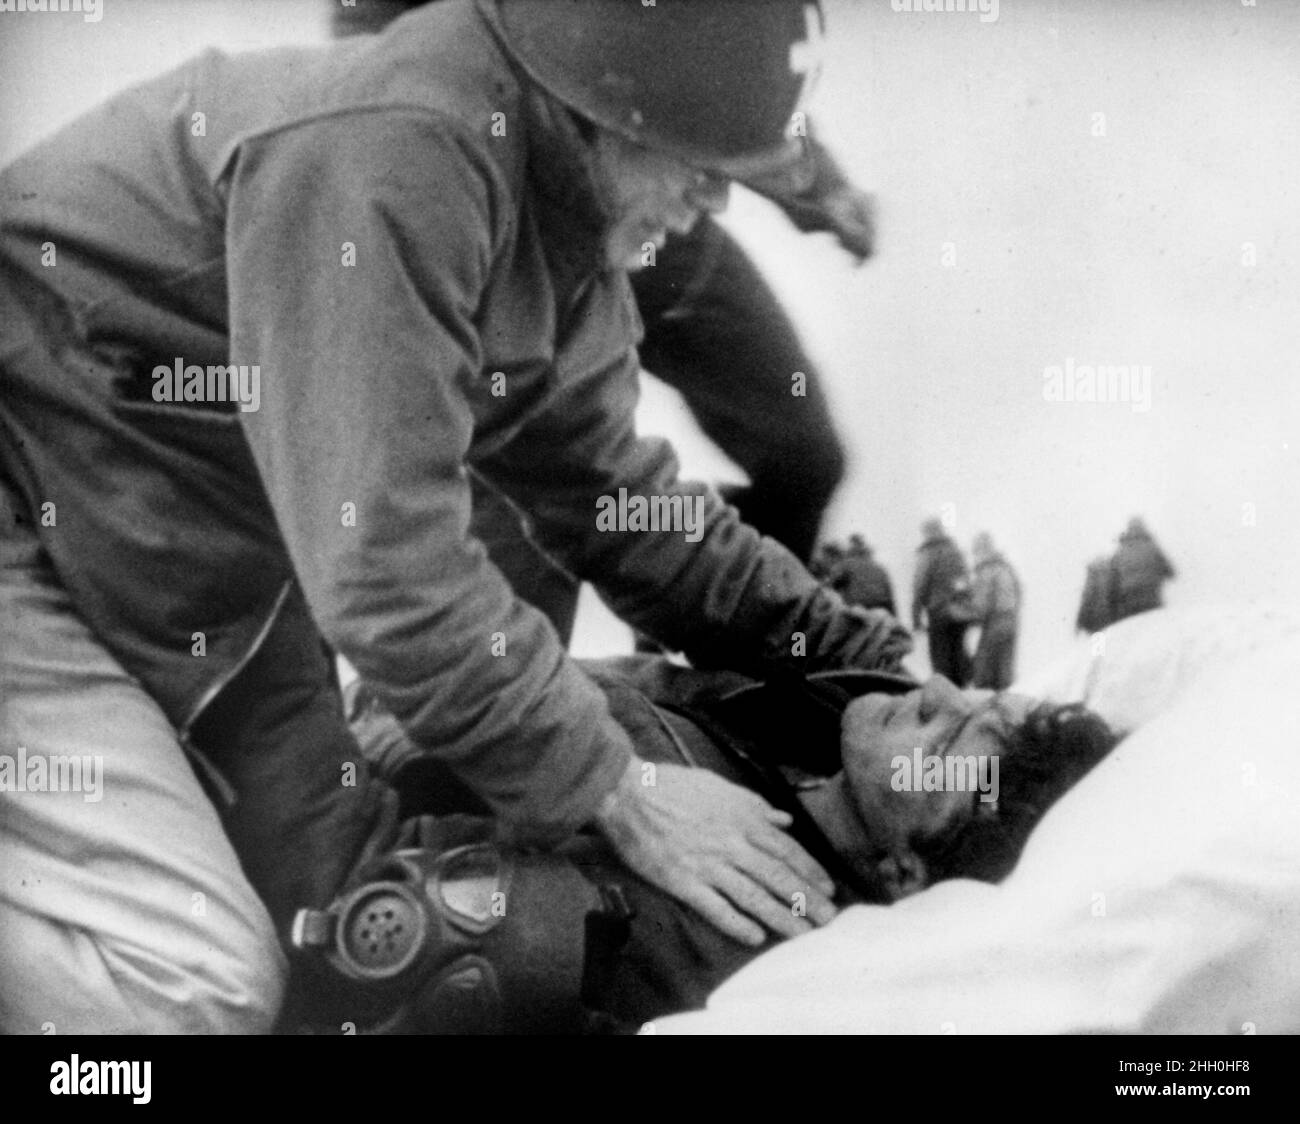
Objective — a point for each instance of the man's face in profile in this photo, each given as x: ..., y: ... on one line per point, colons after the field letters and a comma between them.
x: 647, y: 195
x: 906, y: 811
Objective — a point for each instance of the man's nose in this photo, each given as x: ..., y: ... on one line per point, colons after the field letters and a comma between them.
x: 939, y: 696
x: 709, y: 193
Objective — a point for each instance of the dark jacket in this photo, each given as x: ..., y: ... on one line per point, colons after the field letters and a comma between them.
x: 941, y: 582
x: 205, y: 216
x: 1140, y: 570
x: 861, y: 580
x: 995, y: 593
x: 1097, y: 602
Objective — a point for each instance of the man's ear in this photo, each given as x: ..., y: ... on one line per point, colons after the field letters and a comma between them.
x: 902, y: 874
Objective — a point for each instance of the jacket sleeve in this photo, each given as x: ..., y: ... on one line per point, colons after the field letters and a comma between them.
x: 361, y: 438
x: 717, y: 590
x: 816, y: 196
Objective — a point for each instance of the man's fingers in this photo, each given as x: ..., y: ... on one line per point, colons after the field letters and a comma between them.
x: 780, y: 878
x: 776, y: 817
x: 721, y: 850
x: 716, y: 910
x: 757, y: 902
x: 800, y: 895
x: 781, y: 846
x: 854, y: 215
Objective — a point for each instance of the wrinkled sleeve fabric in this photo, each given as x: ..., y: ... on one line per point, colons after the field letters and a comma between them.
x: 729, y: 599
x: 361, y: 439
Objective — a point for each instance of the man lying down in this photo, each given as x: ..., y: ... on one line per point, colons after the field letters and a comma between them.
x: 892, y: 786
x: 1160, y: 895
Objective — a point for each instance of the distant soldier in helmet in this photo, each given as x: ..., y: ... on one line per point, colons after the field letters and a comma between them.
x: 941, y: 601
x: 861, y: 580
x: 995, y: 592
x: 302, y: 297
x: 1139, y: 571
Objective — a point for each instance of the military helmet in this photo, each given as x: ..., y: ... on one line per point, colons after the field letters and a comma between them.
x: 715, y: 84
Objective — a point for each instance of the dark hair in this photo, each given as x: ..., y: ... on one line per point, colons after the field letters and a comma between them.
x: 1046, y: 756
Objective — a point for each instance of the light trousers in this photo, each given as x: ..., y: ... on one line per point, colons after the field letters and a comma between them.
x: 123, y: 910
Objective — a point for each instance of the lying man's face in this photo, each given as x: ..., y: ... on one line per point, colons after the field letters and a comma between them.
x: 943, y: 783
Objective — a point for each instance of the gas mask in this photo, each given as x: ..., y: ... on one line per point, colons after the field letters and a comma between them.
x: 469, y: 937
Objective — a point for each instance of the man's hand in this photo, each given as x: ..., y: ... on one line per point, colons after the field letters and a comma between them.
x: 816, y: 195
x: 852, y: 215
x: 845, y: 212
x: 718, y: 848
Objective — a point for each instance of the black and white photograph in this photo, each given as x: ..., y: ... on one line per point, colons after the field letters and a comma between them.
x: 651, y: 517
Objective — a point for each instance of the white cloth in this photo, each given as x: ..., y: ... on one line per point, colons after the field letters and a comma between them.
x: 1142, y: 667
x: 1160, y: 895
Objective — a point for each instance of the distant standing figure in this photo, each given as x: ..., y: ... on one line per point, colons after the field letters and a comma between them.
x: 1140, y: 570
x: 941, y: 588
x: 997, y: 608
x: 861, y: 580
x: 826, y: 561
x: 1097, y: 605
